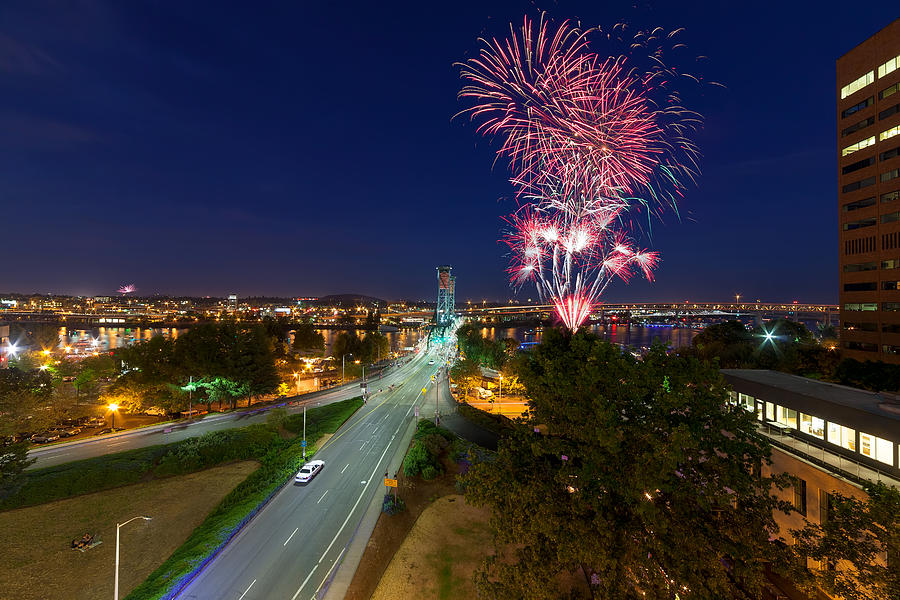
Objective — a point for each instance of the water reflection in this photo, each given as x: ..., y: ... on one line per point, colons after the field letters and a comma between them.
x: 627, y: 335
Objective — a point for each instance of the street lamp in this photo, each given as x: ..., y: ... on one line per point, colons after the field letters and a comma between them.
x: 113, y: 407
x: 500, y: 398
x: 297, y: 377
x: 119, y: 526
x: 344, y: 356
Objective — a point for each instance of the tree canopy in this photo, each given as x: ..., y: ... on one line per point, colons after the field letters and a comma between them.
x: 646, y: 481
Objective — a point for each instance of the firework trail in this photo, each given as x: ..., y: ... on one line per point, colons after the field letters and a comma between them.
x: 127, y: 289
x: 590, y: 142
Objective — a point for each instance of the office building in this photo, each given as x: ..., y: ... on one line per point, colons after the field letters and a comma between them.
x: 868, y: 134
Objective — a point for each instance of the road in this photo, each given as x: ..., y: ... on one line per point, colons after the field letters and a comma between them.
x: 289, y: 550
x: 174, y: 432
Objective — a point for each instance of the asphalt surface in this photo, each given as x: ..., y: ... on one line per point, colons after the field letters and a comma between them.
x: 174, y: 432
x: 291, y: 548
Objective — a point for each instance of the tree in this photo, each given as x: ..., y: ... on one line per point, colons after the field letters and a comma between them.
x: 346, y: 342
x: 646, y: 483
x: 256, y: 363
x: 853, y: 534
x: 307, y: 338
x: 466, y: 374
x: 730, y: 342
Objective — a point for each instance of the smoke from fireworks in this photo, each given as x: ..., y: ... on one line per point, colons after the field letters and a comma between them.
x: 127, y: 289
x: 590, y: 142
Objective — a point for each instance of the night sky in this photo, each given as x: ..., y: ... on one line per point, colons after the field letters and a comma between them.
x: 307, y: 148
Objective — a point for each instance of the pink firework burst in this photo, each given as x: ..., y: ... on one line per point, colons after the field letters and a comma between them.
x: 587, y: 139
x: 127, y: 289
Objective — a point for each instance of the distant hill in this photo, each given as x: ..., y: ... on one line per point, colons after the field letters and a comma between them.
x: 351, y: 300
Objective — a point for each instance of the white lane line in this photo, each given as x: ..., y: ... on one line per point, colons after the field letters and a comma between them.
x: 247, y: 590
x: 345, y: 468
x: 396, y: 431
x: 361, y: 447
x: 289, y: 537
x: 323, y: 495
x: 330, y: 569
x: 305, y: 581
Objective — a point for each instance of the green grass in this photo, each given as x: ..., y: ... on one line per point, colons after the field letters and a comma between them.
x: 278, y: 465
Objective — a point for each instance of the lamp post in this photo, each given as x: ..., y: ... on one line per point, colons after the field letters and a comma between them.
x: 344, y: 356
x: 118, y: 527
x: 113, y: 408
x: 297, y: 377
x: 500, y: 398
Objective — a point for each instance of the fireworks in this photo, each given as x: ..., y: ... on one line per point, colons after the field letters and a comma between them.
x: 590, y: 142
x: 127, y: 289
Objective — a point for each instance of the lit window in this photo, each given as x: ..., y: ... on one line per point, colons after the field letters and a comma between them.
x: 857, y: 84
x: 861, y: 306
x: 888, y: 67
x: 842, y: 436
x: 747, y: 402
x: 770, y: 411
x: 894, y: 174
x: 787, y: 416
x: 875, y: 447
x: 869, y: 141
x: 884, y: 135
x: 813, y: 426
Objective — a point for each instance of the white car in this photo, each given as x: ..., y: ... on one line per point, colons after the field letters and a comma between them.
x: 430, y: 362
x: 309, y: 470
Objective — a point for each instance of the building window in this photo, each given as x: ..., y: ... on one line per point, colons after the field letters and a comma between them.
x: 890, y: 306
x: 891, y: 328
x: 869, y: 141
x: 858, y: 107
x: 890, y: 153
x: 863, y: 286
x: 861, y: 223
x: 786, y: 416
x: 813, y: 426
x: 825, y: 514
x: 856, y: 267
x: 890, y: 196
x: 800, y: 496
x: 875, y: 447
x: 856, y: 185
x: 864, y: 326
x: 862, y: 306
x: 860, y: 164
x: 886, y: 113
x: 865, y: 202
x: 770, y: 411
x: 888, y: 67
x: 887, y: 134
x: 890, y: 264
x: 842, y: 436
x: 888, y: 349
x: 857, y: 126
x: 893, y: 174
x: 861, y: 346
x: 866, y: 244
x: 857, y: 84
x: 748, y: 402
x: 889, y: 285
x: 888, y: 91
x: 890, y: 217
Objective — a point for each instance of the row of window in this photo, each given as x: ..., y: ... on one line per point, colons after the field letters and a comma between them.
x: 860, y: 245
x: 858, y: 107
x: 865, y: 286
x: 870, y: 326
x: 868, y: 162
x: 872, y: 306
x: 866, y: 444
x: 891, y: 217
x: 888, y: 112
x: 870, y: 141
x: 861, y: 82
x: 868, y: 347
x: 889, y: 91
x: 868, y: 181
x: 893, y: 174
x: 872, y: 266
x: 889, y: 241
x: 870, y: 201
x: 870, y: 121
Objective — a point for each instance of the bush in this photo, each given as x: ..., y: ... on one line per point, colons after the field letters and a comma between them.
x: 391, y: 505
x: 430, y: 472
x: 416, y: 459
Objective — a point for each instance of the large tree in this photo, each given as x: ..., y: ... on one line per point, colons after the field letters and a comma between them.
x: 644, y: 482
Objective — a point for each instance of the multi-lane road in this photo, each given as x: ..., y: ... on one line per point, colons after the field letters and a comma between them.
x: 289, y: 550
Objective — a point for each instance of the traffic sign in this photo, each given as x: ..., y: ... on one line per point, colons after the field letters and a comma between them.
x: 390, y: 482
x: 424, y: 390
x: 303, y: 443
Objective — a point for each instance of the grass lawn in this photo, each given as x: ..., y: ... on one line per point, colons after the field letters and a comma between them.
x: 38, y: 562
x: 438, y: 557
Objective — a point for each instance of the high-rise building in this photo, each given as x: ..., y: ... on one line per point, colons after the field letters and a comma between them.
x: 868, y: 134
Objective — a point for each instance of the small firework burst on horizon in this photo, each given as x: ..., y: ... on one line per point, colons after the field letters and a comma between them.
x: 127, y: 289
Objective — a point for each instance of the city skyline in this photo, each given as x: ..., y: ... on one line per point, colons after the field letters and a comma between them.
x: 208, y: 154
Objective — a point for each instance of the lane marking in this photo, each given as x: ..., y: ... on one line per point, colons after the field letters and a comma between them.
x: 247, y: 590
x: 305, y: 581
x: 289, y: 537
x: 345, y: 468
x: 323, y: 495
x: 328, y: 574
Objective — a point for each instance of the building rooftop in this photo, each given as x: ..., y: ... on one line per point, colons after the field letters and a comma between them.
x: 886, y: 406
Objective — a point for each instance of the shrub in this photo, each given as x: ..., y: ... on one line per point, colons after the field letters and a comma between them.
x: 430, y: 472
x: 416, y: 459
x: 391, y: 505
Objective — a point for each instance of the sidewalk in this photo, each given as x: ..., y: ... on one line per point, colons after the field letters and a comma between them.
x: 461, y: 426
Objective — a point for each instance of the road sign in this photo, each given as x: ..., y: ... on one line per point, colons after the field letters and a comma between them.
x: 424, y: 390
x: 303, y: 443
x: 432, y: 377
x: 417, y: 412
x: 390, y: 482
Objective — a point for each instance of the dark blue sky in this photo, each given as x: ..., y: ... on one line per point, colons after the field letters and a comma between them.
x: 307, y: 148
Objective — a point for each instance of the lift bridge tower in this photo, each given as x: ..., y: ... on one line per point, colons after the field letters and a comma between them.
x: 446, y: 300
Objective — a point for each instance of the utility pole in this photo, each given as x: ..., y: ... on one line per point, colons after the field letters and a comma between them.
x: 304, y: 433
x: 190, y: 396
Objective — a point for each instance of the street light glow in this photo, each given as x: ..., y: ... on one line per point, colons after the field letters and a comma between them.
x: 113, y: 407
